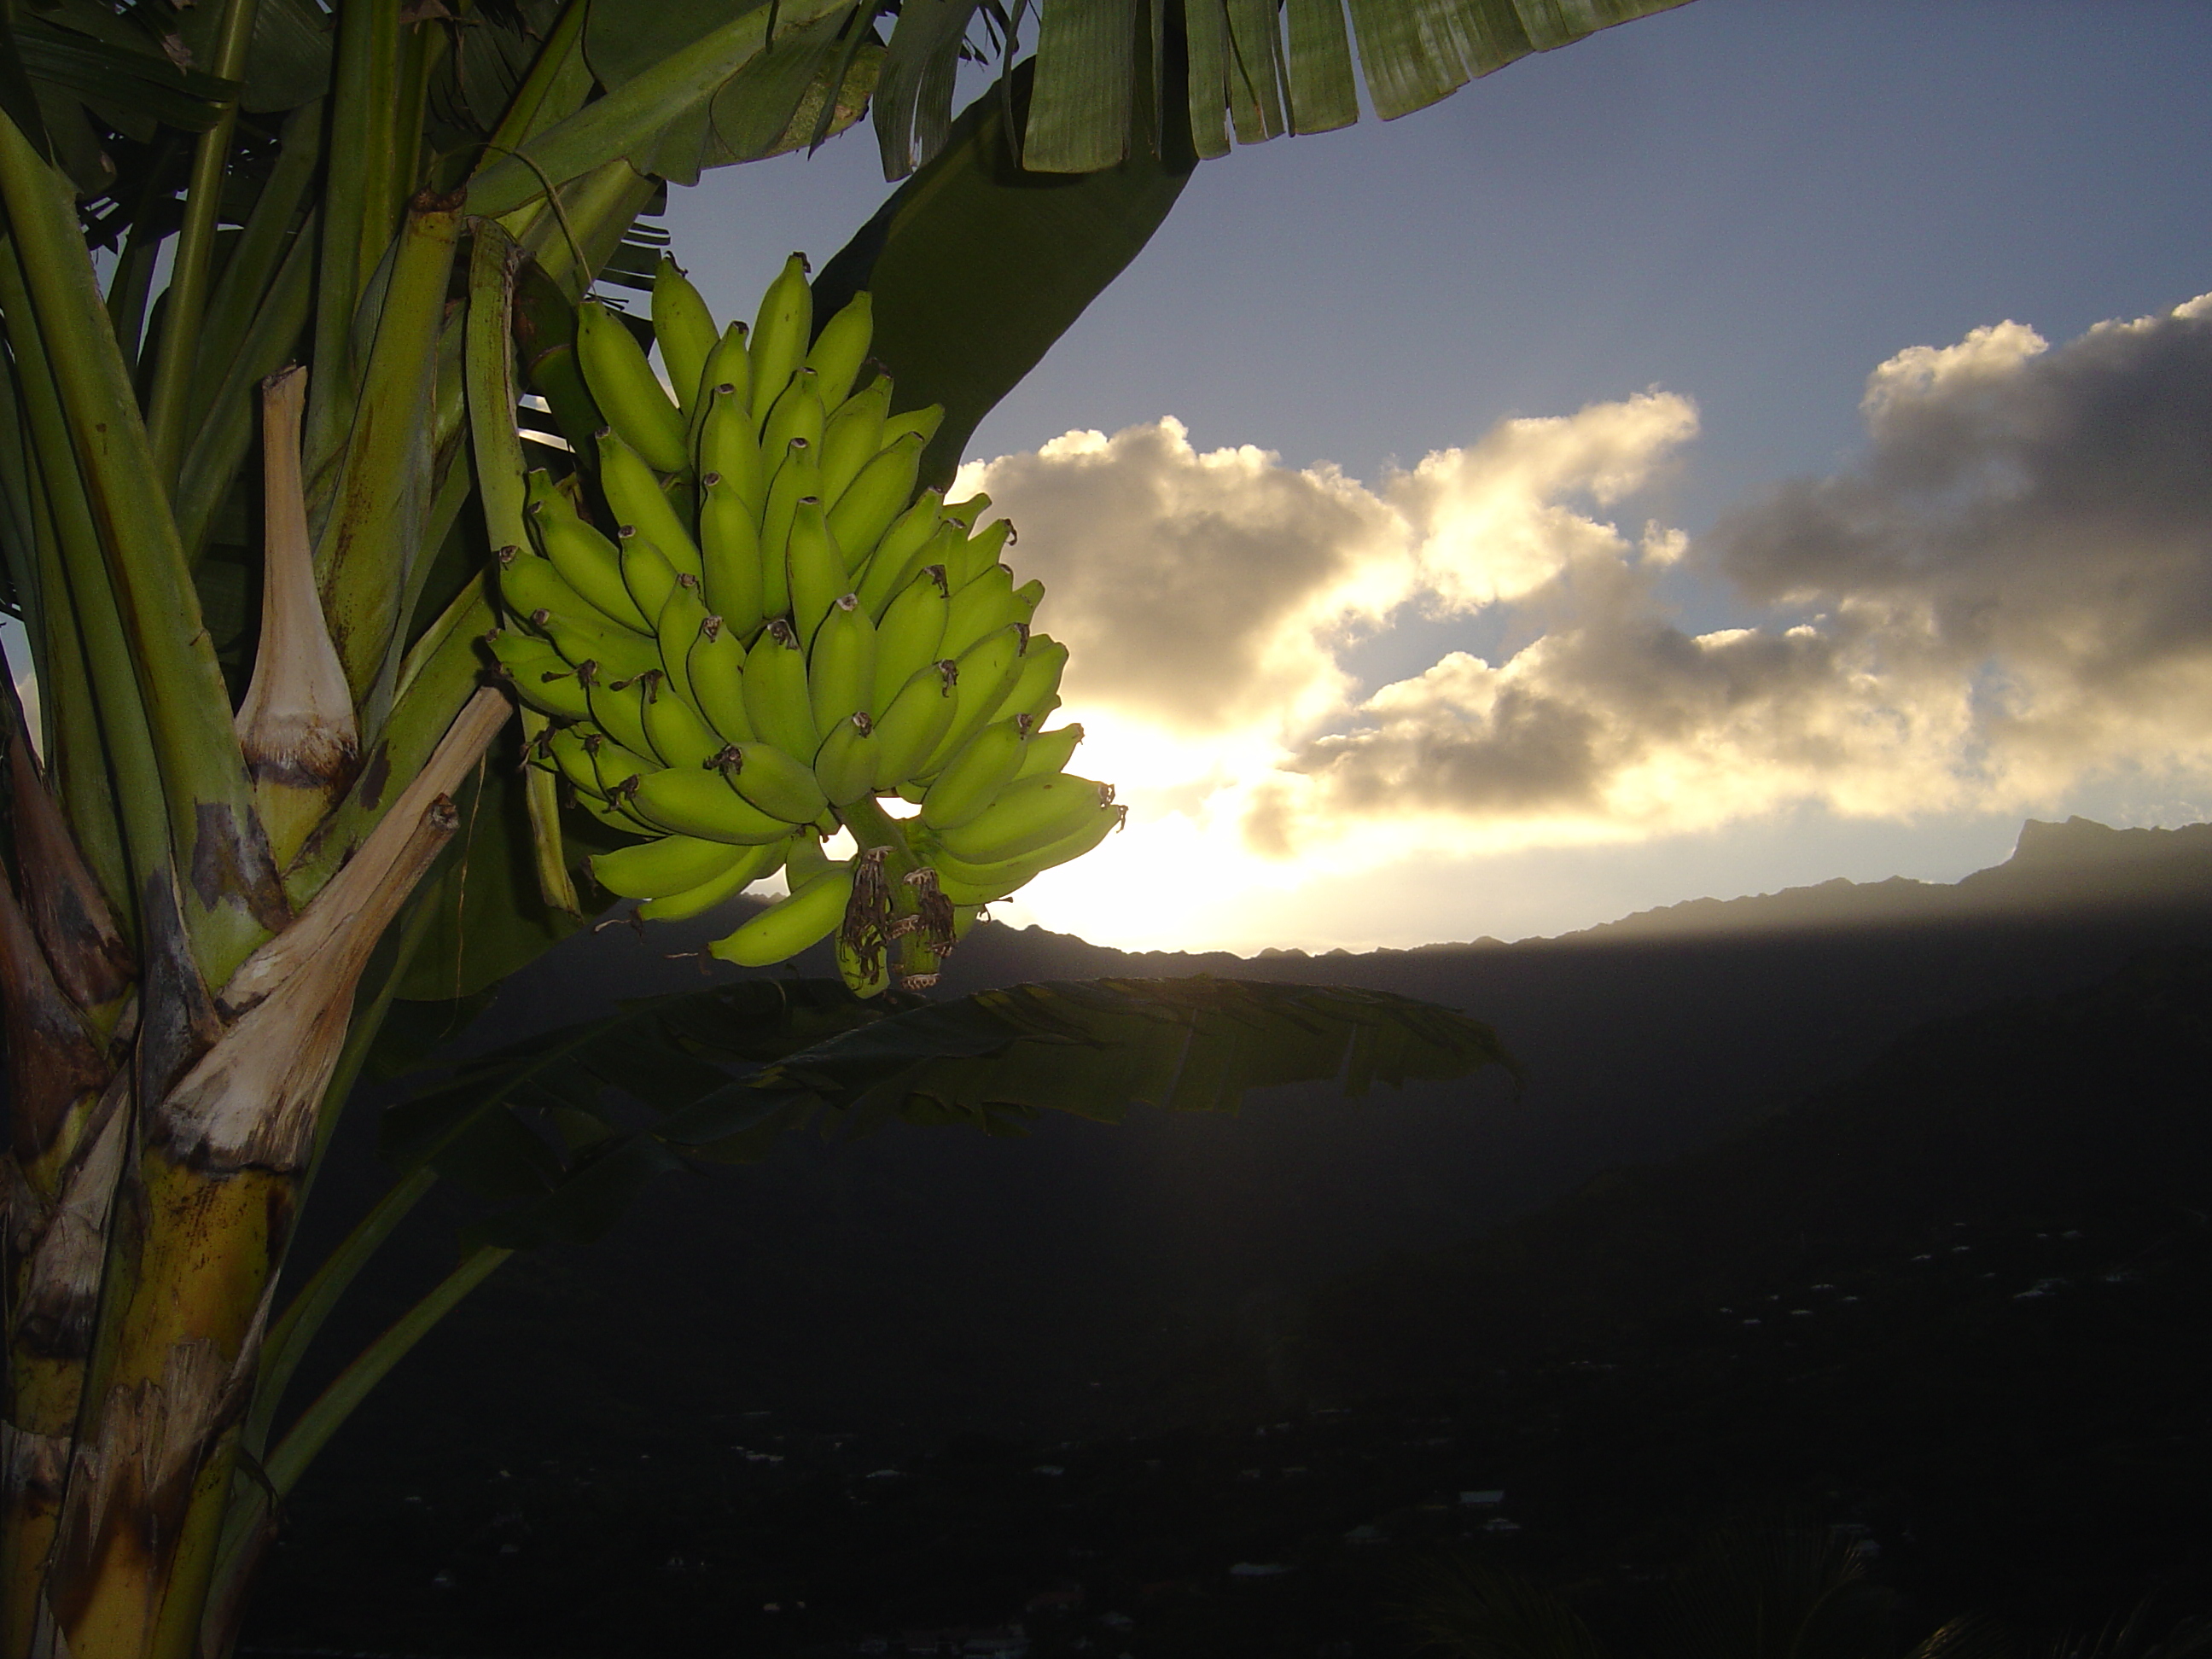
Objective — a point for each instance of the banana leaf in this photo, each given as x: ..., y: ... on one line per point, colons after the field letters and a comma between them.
x: 559, y: 1133
x: 977, y: 266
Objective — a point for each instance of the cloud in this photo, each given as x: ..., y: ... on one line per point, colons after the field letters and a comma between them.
x: 2010, y: 591
x: 1194, y: 590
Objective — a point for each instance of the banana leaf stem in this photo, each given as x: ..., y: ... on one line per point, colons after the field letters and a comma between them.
x: 372, y: 537
x: 225, y: 431
x: 359, y: 209
x: 257, y: 260
x: 188, y: 274
x: 304, y: 1317
x: 19, y: 529
x: 76, y: 578
x: 186, y: 705
x: 312, y: 1430
x: 559, y: 82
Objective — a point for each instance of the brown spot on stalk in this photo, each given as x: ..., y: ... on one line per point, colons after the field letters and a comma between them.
x: 67, y: 910
x: 375, y: 775
x: 177, y: 1021
x: 231, y: 860
x: 54, y: 1059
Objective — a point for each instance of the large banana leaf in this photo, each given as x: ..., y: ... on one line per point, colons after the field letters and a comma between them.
x: 977, y: 266
x: 691, y: 76
x: 558, y: 1132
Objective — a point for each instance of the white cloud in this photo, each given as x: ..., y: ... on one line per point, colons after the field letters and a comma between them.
x: 2010, y: 592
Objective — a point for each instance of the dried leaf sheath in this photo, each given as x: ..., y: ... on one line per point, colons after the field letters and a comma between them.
x: 296, y: 726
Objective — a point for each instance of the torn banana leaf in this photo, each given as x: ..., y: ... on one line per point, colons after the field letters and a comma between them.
x: 561, y: 1132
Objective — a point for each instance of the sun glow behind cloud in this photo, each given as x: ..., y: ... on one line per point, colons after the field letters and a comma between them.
x: 2010, y: 594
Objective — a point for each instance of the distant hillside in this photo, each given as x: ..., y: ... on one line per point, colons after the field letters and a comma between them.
x: 1961, y: 1302
x: 2055, y: 867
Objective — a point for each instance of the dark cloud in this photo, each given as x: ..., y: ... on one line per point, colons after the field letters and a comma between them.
x: 2051, y: 506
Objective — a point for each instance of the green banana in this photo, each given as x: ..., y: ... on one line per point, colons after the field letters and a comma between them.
x: 842, y: 347
x: 965, y: 883
x: 845, y: 765
x: 538, y: 675
x: 617, y: 766
x: 529, y: 584
x: 907, y: 635
x: 964, y: 513
x: 716, y: 667
x: 729, y: 547
x: 728, y: 365
x: 867, y: 509
x: 806, y: 861
x: 914, y: 723
x: 795, y: 479
x: 691, y: 801
x: 677, y: 735
x: 779, y: 706
x: 668, y: 864
x: 614, y: 653
x: 569, y: 749
x: 986, y: 668
x: 685, y: 330
x: 1047, y: 752
x: 841, y: 666
x: 1034, y: 690
x: 980, y: 554
x: 617, y: 814
x: 728, y: 448
x: 678, y: 631
x: 863, y: 979
x: 618, y: 706
x: 780, y: 332
x: 538, y: 490
x: 750, y: 863
x: 922, y: 422
x: 908, y: 545
x: 774, y: 780
x: 1031, y: 814
x: 626, y: 389
x: 853, y: 435
x: 973, y: 779
x: 983, y: 606
x: 590, y: 564
x: 635, y: 496
x: 798, y: 413
x: 648, y: 575
x: 814, y: 569
x: 807, y: 917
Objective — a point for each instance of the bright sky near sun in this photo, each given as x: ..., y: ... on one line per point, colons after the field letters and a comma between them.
x: 1761, y: 443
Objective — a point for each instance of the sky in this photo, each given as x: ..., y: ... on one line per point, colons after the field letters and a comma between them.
x: 1758, y: 444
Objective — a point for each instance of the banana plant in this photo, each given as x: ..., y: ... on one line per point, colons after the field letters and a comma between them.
x: 275, y: 276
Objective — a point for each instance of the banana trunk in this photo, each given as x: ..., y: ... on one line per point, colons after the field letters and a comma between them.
x: 154, y: 1164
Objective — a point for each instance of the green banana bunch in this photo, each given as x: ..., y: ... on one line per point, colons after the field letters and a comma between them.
x: 747, y: 628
